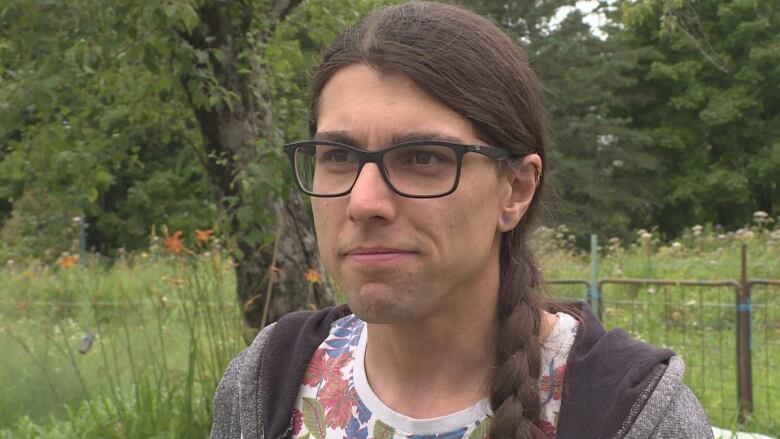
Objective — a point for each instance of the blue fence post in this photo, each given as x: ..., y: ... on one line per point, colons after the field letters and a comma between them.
x: 744, y: 343
x: 594, y: 295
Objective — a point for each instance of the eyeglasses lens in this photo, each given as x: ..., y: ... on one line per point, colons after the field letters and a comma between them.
x: 416, y: 170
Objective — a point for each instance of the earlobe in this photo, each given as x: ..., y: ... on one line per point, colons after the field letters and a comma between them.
x: 522, y: 179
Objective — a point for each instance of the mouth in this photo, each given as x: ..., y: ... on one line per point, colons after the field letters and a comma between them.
x: 376, y: 255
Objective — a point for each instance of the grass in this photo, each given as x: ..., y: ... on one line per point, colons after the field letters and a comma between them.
x: 162, y: 342
x: 166, y: 326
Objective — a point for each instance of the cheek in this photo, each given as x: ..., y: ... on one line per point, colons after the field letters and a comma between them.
x: 477, y: 209
x: 325, y: 223
x: 470, y: 224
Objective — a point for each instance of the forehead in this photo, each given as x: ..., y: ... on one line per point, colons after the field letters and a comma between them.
x: 375, y: 108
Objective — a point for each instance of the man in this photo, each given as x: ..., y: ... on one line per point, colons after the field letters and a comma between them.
x: 425, y: 170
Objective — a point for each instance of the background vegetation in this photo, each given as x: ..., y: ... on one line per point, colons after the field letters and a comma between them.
x: 667, y: 115
x: 142, y: 183
x: 165, y: 326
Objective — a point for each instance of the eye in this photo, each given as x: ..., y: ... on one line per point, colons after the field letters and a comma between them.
x: 424, y: 158
x: 427, y: 156
x: 336, y: 155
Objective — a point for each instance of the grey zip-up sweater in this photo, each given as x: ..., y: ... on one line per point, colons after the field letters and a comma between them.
x: 615, y: 387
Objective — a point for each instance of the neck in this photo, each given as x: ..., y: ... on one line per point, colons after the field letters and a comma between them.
x: 434, y: 366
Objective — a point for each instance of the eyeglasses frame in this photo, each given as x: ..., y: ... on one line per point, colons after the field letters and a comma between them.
x: 377, y: 158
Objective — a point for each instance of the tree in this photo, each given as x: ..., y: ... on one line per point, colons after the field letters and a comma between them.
x: 87, y: 129
x: 598, y: 164
x: 707, y: 94
x: 232, y: 86
x: 125, y: 109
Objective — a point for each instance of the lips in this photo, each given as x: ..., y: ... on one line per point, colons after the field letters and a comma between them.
x: 374, y: 250
x: 374, y: 256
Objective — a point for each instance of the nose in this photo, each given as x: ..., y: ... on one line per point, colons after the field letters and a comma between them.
x: 371, y: 197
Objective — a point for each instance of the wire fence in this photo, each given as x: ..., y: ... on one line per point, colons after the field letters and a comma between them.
x: 728, y: 333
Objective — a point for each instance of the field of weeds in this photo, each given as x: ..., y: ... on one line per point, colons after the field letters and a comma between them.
x: 134, y: 347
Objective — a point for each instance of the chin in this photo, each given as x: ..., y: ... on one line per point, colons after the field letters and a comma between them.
x: 379, y: 305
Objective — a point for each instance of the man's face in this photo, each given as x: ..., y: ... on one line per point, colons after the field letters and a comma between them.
x: 395, y: 258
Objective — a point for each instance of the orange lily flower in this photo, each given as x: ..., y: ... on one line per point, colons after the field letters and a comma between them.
x: 68, y: 261
x: 313, y: 277
x: 203, y: 235
x: 174, y: 244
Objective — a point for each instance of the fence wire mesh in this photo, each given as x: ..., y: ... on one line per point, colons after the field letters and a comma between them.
x: 699, y: 321
x: 696, y: 319
x: 765, y: 347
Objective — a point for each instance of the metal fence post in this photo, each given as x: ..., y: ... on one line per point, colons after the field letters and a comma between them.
x: 594, y: 295
x: 89, y: 334
x: 744, y: 344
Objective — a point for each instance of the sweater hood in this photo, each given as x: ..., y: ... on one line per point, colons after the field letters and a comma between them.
x: 609, y: 378
x: 295, y: 338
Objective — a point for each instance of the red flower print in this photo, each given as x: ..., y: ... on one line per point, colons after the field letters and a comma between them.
x: 322, y: 367
x: 338, y: 399
x: 547, y: 428
x: 297, y: 421
x: 553, y: 384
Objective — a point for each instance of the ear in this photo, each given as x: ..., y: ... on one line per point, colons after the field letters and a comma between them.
x: 521, y: 180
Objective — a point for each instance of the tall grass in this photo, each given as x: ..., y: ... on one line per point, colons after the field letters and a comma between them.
x: 162, y: 343
x: 166, y: 326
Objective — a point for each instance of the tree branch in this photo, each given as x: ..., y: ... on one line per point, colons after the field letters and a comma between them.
x: 282, y: 8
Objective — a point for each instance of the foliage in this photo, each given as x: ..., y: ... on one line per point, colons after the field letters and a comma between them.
x: 706, y: 94
x: 667, y: 117
x: 89, y: 127
x: 597, y: 164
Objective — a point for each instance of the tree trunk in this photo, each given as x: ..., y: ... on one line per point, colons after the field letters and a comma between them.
x: 236, y: 136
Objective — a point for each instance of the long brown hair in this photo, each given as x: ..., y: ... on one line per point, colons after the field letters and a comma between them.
x: 467, y: 63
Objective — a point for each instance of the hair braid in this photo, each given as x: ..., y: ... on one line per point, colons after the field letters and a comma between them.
x: 518, y: 351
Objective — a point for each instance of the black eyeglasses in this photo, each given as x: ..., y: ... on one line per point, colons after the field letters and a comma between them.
x: 416, y: 169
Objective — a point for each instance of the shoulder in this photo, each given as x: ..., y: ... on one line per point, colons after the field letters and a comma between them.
x: 270, y: 369
x: 233, y: 389
x: 672, y: 409
x: 612, y: 378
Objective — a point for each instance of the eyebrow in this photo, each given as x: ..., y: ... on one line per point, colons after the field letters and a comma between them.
x: 347, y: 138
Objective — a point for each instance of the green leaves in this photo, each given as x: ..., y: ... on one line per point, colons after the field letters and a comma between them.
x: 382, y: 430
x: 314, y: 418
x: 482, y: 430
x: 88, y: 109
x: 707, y: 106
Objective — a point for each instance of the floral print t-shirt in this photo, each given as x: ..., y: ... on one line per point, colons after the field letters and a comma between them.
x: 336, y: 401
